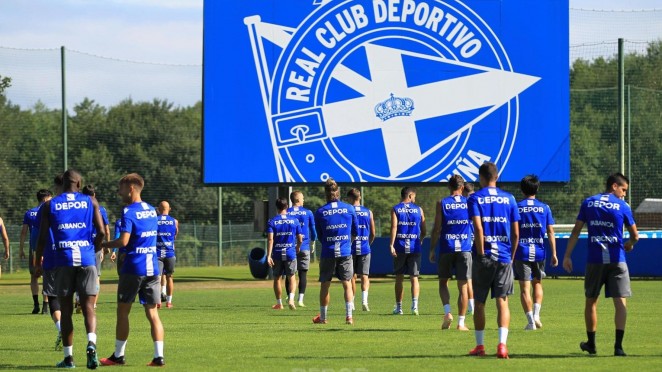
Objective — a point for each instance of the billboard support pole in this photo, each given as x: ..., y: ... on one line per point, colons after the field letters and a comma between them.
x: 220, y: 226
x: 621, y: 102
x: 64, y: 112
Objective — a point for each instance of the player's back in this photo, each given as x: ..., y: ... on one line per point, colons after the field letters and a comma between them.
x: 456, y: 228
x: 361, y: 244
x: 408, y: 232
x: 336, y: 223
x: 165, y: 240
x: 306, y: 219
x: 71, y: 221
x: 497, y: 210
x: 535, y: 216
x: 139, y: 220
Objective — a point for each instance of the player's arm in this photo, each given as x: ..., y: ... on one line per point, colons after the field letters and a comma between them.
x: 270, y: 247
x: 424, y: 230
x: 5, y: 239
x: 176, y: 230
x: 24, y: 232
x: 551, y: 238
x: 371, y: 235
x: 312, y: 232
x: 634, y: 237
x: 514, y: 239
x: 120, y: 242
x: 572, y: 242
x: 394, y: 230
x: 299, y: 242
x: 479, y: 238
x: 44, y: 231
x: 97, y: 220
x: 436, y: 231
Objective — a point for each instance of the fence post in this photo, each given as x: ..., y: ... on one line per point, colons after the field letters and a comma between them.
x: 64, y: 111
x: 220, y: 226
x: 621, y: 102
x: 195, y: 239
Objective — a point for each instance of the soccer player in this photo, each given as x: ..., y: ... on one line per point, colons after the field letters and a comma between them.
x: 468, y: 190
x: 453, y: 229
x: 139, y: 275
x: 165, y: 243
x: 336, y: 225
x: 89, y: 190
x: 361, y: 246
x: 496, y: 234
x: 71, y: 216
x: 307, y: 221
x: 407, y: 234
x: 536, y: 219
x: 605, y: 215
x: 5, y: 241
x: 284, y: 239
x: 31, y: 227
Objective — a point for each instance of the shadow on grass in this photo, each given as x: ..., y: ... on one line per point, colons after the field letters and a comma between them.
x: 13, y: 367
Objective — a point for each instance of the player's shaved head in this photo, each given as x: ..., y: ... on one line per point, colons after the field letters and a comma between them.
x: 164, y: 207
x: 71, y: 180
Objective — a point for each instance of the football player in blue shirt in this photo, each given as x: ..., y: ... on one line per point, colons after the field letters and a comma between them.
x: 361, y: 246
x: 407, y: 234
x: 117, y: 254
x: 89, y: 190
x: 496, y: 234
x: 536, y: 219
x: 336, y: 225
x: 31, y: 227
x: 466, y: 192
x: 139, y: 275
x: 453, y: 229
x: 71, y: 216
x: 165, y: 242
x: 605, y: 215
x: 284, y: 239
x: 307, y: 221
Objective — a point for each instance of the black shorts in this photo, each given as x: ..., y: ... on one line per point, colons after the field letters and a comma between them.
x: 341, y: 267
x: 614, y: 276
x: 167, y: 265
x: 460, y: 261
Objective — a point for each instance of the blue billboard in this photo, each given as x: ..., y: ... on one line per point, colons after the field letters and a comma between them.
x: 384, y: 91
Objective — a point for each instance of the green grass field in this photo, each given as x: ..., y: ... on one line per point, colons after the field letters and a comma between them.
x: 222, y: 320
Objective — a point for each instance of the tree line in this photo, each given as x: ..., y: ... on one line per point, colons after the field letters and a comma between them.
x: 162, y: 142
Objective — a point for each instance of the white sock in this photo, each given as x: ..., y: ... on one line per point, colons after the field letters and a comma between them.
x: 460, y: 321
x: 503, y: 335
x: 68, y: 350
x: 529, y: 317
x: 57, y: 325
x: 168, y: 298
x: 120, y: 346
x: 364, y: 296
x: 323, y: 310
x: 414, y: 302
x: 480, y: 335
x: 158, y: 349
x: 536, y: 310
x: 163, y: 290
x: 301, y: 297
x: 348, y: 309
x: 92, y: 337
x: 398, y: 305
x: 447, y: 309
x: 471, y: 304
x: 290, y: 298
x: 279, y: 301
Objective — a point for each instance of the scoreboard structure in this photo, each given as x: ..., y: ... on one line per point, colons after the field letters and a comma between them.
x: 384, y: 91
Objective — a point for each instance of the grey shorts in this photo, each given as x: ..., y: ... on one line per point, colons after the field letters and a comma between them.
x: 167, y: 265
x: 460, y: 261
x: 284, y: 268
x: 361, y: 264
x: 303, y: 260
x: 98, y: 260
x: 79, y: 279
x: 148, y: 289
x: 407, y: 263
x: 614, y: 276
x: 527, y: 270
x: 494, y: 276
x: 341, y: 267
x: 49, y: 283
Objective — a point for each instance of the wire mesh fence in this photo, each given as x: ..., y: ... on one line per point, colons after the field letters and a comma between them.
x: 128, y: 116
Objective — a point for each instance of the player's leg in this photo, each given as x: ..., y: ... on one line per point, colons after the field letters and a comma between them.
x: 149, y: 296
x: 502, y: 287
x: 303, y: 264
x: 99, y: 260
x: 290, y: 272
x: 462, y: 303
x: 327, y: 267
x: 345, y: 272
x: 413, y: 265
x: 278, y: 291
x: 365, y: 280
x: 618, y: 287
x: 127, y: 288
x: 357, y: 271
x: 620, y: 318
x: 537, y: 301
x: 86, y: 287
x: 34, y: 283
x: 444, y: 267
x: 594, y: 278
x: 65, y: 287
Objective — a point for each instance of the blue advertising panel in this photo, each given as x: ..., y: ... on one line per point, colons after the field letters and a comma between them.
x: 384, y: 90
